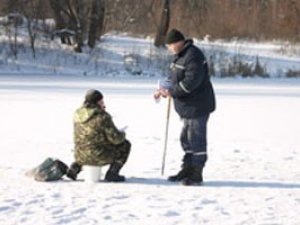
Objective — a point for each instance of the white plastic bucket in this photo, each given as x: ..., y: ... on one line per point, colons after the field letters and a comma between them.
x: 92, y: 174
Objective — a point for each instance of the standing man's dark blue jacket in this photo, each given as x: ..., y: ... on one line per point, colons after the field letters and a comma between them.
x: 191, y: 87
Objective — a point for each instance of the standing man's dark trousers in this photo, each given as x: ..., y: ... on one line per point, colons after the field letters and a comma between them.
x: 193, y: 141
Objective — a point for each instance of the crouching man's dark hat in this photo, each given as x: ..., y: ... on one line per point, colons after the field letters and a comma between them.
x: 174, y: 36
x: 93, y: 96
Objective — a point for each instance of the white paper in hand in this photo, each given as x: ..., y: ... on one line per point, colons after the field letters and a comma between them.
x: 124, y: 128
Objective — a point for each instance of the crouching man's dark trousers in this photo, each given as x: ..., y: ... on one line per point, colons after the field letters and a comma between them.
x: 193, y: 140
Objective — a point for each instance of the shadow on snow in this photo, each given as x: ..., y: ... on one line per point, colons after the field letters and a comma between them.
x: 219, y: 184
x: 206, y: 184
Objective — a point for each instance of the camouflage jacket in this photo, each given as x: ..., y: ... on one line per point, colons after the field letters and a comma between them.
x: 94, y: 131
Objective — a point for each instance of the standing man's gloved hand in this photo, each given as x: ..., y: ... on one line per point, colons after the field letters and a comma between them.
x: 161, y: 93
x: 162, y: 89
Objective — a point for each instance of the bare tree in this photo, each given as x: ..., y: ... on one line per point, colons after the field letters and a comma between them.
x: 60, y: 20
x: 84, y: 17
x: 96, y: 26
x: 32, y: 10
x: 164, y: 24
x: 12, y: 25
x: 12, y: 31
x: 86, y: 20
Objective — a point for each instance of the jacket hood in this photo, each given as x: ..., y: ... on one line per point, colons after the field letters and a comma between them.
x: 84, y: 114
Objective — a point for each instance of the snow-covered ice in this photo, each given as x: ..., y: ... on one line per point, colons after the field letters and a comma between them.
x: 252, y: 175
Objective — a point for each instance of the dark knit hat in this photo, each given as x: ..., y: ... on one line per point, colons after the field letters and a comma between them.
x: 174, y: 36
x: 93, y: 96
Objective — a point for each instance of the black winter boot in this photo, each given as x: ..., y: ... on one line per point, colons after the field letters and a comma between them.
x: 73, y: 171
x: 182, y: 174
x: 195, y: 177
x: 112, y: 175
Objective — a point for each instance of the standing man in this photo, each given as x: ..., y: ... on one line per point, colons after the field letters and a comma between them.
x: 97, y: 140
x: 194, y: 100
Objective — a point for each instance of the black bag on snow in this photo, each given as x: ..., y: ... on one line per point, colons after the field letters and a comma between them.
x: 49, y: 170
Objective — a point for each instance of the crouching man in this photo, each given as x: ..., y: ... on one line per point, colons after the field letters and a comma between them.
x: 97, y: 140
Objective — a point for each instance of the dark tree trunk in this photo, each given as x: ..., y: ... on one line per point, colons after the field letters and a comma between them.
x: 163, y: 25
x: 57, y: 14
x: 60, y: 22
x: 96, y: 21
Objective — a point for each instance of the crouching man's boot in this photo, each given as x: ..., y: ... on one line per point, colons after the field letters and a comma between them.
x: 73, y: 171
x: 112, y: 175
x: 182, y: 174
x: 195, y: 177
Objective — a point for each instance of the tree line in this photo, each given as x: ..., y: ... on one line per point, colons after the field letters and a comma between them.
x: 84, y: 21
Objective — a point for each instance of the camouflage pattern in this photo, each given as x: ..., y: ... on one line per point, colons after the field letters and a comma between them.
x: 97, y: 140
